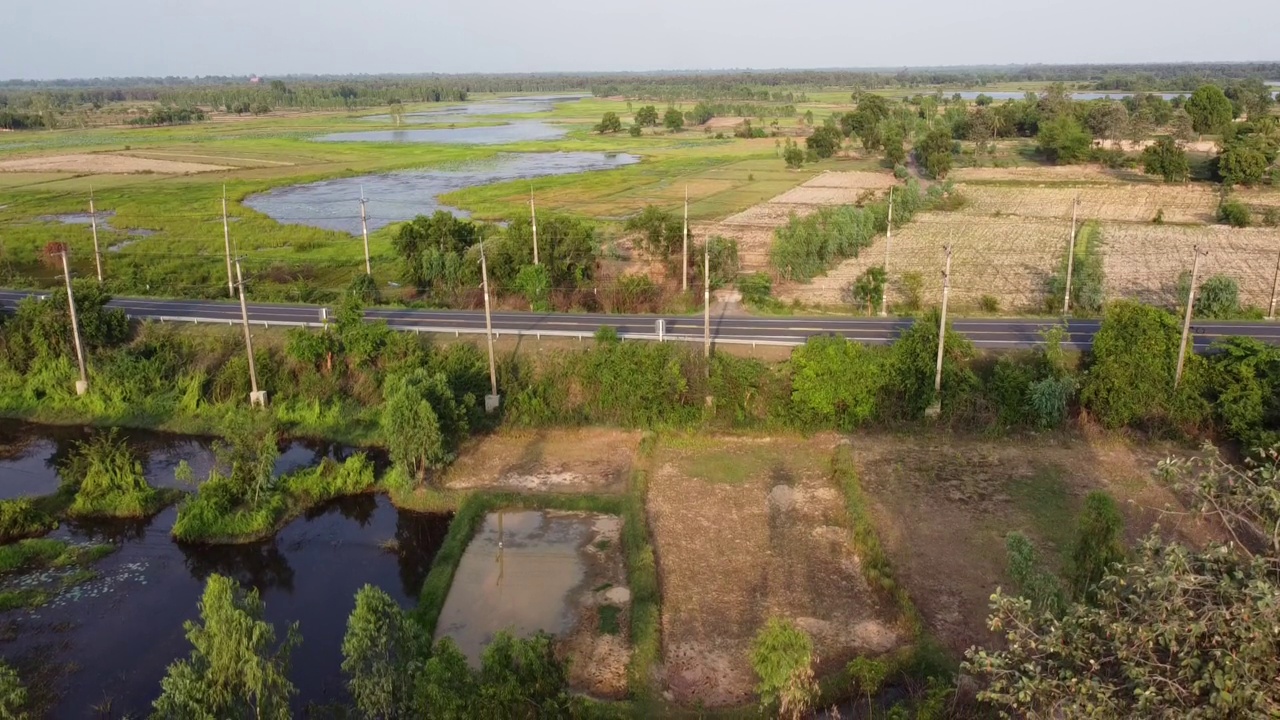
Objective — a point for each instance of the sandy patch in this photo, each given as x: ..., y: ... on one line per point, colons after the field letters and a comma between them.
x: 1040, y: 173
x: 728, y: 123
x: 103, y: 163
x: 853, y: 179
x: 1130, y: 202
x: 576, y: 460
x: 1199, y: 146
x: 765, y: 537
x: 943, y: 505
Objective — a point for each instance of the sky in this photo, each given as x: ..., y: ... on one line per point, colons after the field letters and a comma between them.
x: 92, y: 38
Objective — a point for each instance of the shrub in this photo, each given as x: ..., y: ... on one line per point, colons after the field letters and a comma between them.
x: 756, y: 288
x: 912, y: 367
x: 835, y: 382
x: 113, y: 483
x: 1030, y: 579
x: 1087, y: 276
x: 1271, y: 217
x: 868, y: 290
x: 782, y: 657
x: 989, y: 304
x: 1234, y: 213
x: 1218, y: 298
x: 20, y: 518
x: 911, y: 286
x: 1098, y: 545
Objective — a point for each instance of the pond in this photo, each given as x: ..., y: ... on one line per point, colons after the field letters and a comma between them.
x: 108, y: 642
x: 505, y: 106
x: 1003, y: 95
x: 399, y: 196
x: 513, y: 132
x: 104, y: 223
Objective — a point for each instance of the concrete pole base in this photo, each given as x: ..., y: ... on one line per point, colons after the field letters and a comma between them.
x: 491, y: 403
x: 258, y: 399
x: 934, y: 410
x: 82, y: 387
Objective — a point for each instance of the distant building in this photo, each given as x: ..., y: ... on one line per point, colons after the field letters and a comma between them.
x: 254, y: 80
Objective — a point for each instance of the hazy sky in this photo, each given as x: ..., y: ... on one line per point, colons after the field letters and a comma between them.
x: 93, y: 38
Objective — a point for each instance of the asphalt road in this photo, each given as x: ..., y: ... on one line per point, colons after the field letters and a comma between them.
x: 991, y: 333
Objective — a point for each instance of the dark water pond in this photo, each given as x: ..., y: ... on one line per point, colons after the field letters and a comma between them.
x: 399, y: 196
x: 505, y: 106
x: 112, y: 638
x: 514, y: 132
x: 1001, y: 95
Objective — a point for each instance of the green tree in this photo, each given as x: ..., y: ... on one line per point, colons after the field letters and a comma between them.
x: 647, y: 116
x: 1243, y: 161
x: 447, y: 689
x: 868, y: 290
x: 934, y: 152
x: 824, y: 141
x: 913, y: 363
x: 523, y: 679
x: 382, y: 654
x: 894, y: 153
x: 673, y: 119
x: 1063, y: 141
x: 782, y: 657
x: 1169, y: 634
x: 433, y: 251
x: 421, y: 421
x: 661, y: 232
x: 1166, y: 158
x: 1209, y: 108
x: 792, y: 155
x: 236, y: 668
x: 1099, y: 545
x: 534, y: 283
x: 609, y: 123
x: 835, y: 382
x: 1234, y: 213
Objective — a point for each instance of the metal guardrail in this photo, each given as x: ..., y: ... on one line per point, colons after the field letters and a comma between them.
x: 459, y: 331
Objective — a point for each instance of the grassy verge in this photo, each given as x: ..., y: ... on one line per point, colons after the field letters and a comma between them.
x: 23, y: 518
x: 217, y: 516
x: 642, y: 575
x: 124, y: 505
x: 876, y: 569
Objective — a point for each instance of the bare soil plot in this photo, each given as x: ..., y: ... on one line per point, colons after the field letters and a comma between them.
x: 1143, y: 261
x: 943, y: 505
x: 1040, y: 174
x: 746, y: 529
x: 1199, y: 146
x: 575, y: 460
x: 1129, y: 202
x: 104, y: 163
x: 1010, y: 259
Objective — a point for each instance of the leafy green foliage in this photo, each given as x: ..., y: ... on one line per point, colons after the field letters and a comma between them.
x: 756, y: 288
x: 1245, y: 389
x: 1243, y: 497
x: 422, y: 421
x: 1088, y: 279
x: 1244, y: 160
x: 934, y: 152
x: 647, y: 116
x: 1218, y: 298
x: 661, y: 232
x: 868, y: 290
x: 792, y: 155
x: 782, y: 657
x: 433, y: 251
x: 1042, y: 589
x: 1166, y: 158
x: 1131, y: 373
x: 1099, y: 545
x: 824, y: 141
x: 1170, y: 633
x: 1234, y: 213
x: 13, y: 696
x: 382, y: 653
x: 1209, y: 108
x: 912, y: 367
x: 113, y: 483
x: 534, y: 283
x: 236, y: 668
x: 1063, y: 141
x: 609, y: 123
x: 673, y: 119
x: 723, y: 259
x: 20, y: 518
x: 835, y: 382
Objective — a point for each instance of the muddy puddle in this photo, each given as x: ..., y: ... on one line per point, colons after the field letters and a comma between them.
x: 399, y: 196
x: 107, y: 642
x: 527, y: 571
x: 104, y: 225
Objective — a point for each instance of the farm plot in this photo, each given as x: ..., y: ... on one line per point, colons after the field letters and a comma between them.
x: 1132, y: 203
x: 1143, y: 261
x: 753, y: 228
x: 105, y: 163
x: 1042, y: 174
x: 1009, y: 259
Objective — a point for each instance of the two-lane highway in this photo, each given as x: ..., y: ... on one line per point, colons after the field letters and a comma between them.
x: 990, y: 333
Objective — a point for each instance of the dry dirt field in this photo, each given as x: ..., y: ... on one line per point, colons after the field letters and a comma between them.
x: 745, y: 529
x: 943, y: 505
x: 1042, y: 174
x: 753, y: 228
x: 1008, y: 258
x: 1130, y: 202
x: 104, y: 163
x: 575, y: 460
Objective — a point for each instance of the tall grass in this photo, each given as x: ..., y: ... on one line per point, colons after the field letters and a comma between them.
x: 111, y: 480
x: 21, y: 518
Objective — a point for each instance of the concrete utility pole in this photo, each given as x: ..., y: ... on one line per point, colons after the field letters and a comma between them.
x: 1071, y: 258
x: 533, y: 220
x: 93, y: 222
x: 684, y: 285
x: 256, y: 397
x: 1186, y: 320
x: 82, y: 385
x: 888, y: 240
x: 936, y: 408
x: 492, y: 399
x: 1275, y: 285
x: 364, y: 229
x: 706, y: 301
x: 226, y: 238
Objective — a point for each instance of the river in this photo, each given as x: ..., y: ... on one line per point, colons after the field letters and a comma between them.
x: 107, y: 643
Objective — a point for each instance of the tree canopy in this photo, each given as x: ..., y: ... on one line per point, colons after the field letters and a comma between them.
x: 1209, y: 108
x: 1166, y: 158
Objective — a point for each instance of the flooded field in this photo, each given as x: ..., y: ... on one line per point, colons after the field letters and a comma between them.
x: 513, y: 132
x: 135, y: 606
x: 505, y: 106
x: 399, y: 196
x: 558, y: 572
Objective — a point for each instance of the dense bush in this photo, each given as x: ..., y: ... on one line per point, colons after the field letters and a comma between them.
x: 20, y: 518
x: 110, y: 479
x: 835, y: 382
x: 1235, y: 214
x: 908, y: 389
